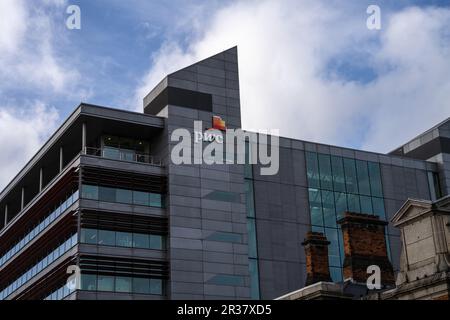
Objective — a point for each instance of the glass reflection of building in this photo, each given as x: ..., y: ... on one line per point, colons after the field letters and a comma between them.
x: 337, y: 184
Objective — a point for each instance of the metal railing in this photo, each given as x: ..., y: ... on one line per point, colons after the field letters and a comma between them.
x: 122, y: 155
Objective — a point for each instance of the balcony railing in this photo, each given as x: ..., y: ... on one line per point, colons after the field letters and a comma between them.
x: 123, y: 155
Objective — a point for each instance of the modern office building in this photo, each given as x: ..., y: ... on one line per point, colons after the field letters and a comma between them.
x: 103, y: 194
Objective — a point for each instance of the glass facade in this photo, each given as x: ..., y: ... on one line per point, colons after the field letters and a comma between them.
x: 38, y: 267
x: 251, y: 228
x: 52, y: 216
x: 122, y: 196
x: 93, y: 282
x: 122, y: 239
x: 337, y: 184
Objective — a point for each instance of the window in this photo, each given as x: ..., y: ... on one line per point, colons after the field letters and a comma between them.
x: 89, y: 192
x: 366, y: 205
x: 333, y: 248
x: 351, y: 182
x: 141, y: 241
x: 141, y: 198
x: 105, y: 283
x: 254, y: 278
x: 89, y: 282
x: 89, y: 236
x: 312, y: 170
x: 123, y: 284
x: 124, y: 196
x: 141, y: 285
x: 353, y: 203
x: 315, y: 204
x: 378, y: 207
x: 252, y: 246
x: 363, y: 177
x: 107, y: 194
x: 155, y: 200
x: 124, y: 239
x: 156, y: 286
x: 156, y: 242
x: 325, y: 172
x: 329, y: 214
x: 340, y: 204
x: 249, y: 198
x: 375, y: 179
x: 106, y: 238
x: 338, y: 174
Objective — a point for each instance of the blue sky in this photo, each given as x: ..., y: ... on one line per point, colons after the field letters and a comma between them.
x: 326, y: 77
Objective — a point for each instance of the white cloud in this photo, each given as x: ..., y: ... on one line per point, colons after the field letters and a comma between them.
x: 285, y: 48
x: 12, y: 28
x: 27, y: 47
x: 22, y: 133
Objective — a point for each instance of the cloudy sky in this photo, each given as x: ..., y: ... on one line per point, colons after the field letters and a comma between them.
x: 310, y: 68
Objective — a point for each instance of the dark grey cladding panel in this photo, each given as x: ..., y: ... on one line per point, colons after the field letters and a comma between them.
x: 427, y: 150
x: 179, y: 97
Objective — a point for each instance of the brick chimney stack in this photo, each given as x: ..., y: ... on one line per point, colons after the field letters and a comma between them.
x: 316, y: 250
x: 365, y: 245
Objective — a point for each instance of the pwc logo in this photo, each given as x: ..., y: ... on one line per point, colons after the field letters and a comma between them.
x: 218, y: 123
x: 214, y: 133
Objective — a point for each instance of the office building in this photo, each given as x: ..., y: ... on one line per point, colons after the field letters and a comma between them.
x: 104, y: 195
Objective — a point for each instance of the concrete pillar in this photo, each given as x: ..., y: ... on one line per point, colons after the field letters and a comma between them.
x: 22, y: 199
x: 83, y: 138
x: 6, y: 215
x: 41, y: 179
x: 61, y: 159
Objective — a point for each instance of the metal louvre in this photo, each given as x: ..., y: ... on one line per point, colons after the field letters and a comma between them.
x: 123, y: 222
x: 124, y: 267
x: 122, y: 179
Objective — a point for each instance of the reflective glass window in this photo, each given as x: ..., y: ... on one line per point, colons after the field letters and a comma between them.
x: 366, y: 205
x: 363, y: 177
x: 351, y: 181
x: 123, y: 284
x: 249, y: 198
x: 254, y: 278
x: 156, y: 200
x: 124, y: 196
x: 156, y: 286
x: 90, y: 192
x: 107, y: 194
x: 124, y: 239
x: 105, y: 283
x: 353, y: 203
x: 326, y: 181
x: 333, y: 248
x: 329, y: 214
x: 337, y: 167
x: 315, y: 204
x: 378, y: 207
x: 375, y: 179
x: 89, y: 282
x: 312, y: 166
x: 106, y: 238
x: 141, y: 285
x: 89, y: 236
x: 156, y: 242
x: 252, y: 249
x: 141, y: 198
x: 141, y: 240
x: 340, y: 204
